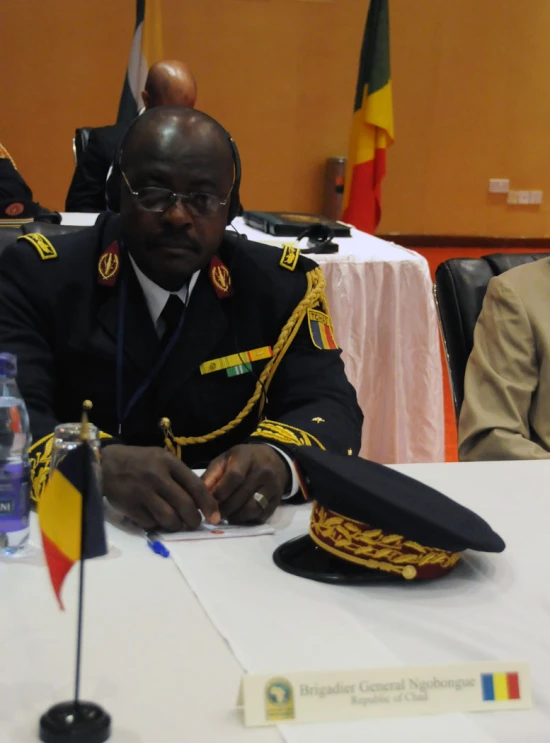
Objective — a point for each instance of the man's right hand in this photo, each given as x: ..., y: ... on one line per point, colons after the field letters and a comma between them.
x: 154, y: 489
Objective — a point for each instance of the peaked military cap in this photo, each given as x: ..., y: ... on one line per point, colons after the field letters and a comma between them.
x: 370, y: 522
x: 16, y: 200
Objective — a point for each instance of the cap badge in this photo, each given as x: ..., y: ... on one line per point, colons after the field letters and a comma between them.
x: 15, y: 209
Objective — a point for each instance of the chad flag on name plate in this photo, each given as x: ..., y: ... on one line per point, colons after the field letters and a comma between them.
x: 500, y: 687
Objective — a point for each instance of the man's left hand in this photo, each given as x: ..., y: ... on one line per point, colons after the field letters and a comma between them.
x: 235, y: 476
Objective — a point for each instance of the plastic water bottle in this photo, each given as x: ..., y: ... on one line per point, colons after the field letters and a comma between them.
x: 15, y: 439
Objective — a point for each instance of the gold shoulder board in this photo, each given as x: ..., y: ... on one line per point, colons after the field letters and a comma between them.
x: 290, y: 256
x: 43, y: 246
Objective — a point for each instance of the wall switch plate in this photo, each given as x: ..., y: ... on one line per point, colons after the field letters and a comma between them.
x: 524, y: 197
x: 499, y: 185
x: 512, y: 197
x: 536, y: 197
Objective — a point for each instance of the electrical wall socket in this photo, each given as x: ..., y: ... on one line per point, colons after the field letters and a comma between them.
x: 499, y: 185
x: 524, y: 197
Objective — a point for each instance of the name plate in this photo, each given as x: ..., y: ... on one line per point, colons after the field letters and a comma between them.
x: 323, y: 696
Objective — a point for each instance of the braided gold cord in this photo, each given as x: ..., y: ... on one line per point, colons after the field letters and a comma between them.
x: 314, y: 294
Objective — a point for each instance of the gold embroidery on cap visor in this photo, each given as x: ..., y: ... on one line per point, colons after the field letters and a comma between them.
x: 359, y: 543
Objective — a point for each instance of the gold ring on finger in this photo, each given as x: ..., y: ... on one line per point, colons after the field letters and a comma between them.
x: 261, y: 500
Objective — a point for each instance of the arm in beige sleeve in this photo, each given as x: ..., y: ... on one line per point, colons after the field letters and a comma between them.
x: 501, y: 377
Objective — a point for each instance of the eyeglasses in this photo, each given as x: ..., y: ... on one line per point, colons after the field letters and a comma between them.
x: 153, y: 199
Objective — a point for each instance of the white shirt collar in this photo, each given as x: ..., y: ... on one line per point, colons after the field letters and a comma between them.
x: 156, y: 297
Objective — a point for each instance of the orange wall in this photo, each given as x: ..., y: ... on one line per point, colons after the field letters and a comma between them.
x: 471, y: 93
x: 472, y: 101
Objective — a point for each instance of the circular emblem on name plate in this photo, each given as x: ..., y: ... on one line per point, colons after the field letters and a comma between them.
x: 279, y: 699
x: 108, y: 266
x: 15, y: 209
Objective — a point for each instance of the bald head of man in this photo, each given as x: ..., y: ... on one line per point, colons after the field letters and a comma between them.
x: 177, y: 179
x: 169, y: 83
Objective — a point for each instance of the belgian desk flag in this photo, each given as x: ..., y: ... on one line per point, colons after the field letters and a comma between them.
x: 70, y: 512
x: 146, y: 49
x: 372, y: 126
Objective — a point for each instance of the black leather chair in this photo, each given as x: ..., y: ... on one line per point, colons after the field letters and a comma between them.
x: 459, y: 289
x: 80, y: 141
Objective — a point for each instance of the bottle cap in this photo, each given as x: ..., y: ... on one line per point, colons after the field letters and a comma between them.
x: 8, y: 365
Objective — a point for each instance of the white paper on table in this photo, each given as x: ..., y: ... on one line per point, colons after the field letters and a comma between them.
x: 218, y: 531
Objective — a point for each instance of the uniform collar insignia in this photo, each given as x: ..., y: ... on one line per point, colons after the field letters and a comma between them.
x: 108, y: 266
x: 220, y: 278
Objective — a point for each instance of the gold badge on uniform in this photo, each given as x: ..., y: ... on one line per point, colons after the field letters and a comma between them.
x: 246, y: 358
x: 320, y: 330
x: 108, y: 265
x: 220, y: 278
x: 290, y: 256
x: 43, y: 246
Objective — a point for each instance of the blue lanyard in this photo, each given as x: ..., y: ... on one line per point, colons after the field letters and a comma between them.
x: 123, y: 413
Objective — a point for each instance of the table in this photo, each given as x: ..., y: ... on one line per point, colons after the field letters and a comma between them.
x: 167, y: 640
x: 380, y: 296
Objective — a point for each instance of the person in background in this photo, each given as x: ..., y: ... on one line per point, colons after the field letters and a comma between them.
x: 197, y: 348
x: 169, y: 82
x: 505, y: 413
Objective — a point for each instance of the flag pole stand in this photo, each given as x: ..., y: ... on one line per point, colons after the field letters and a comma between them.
x: 77, y: 721
x: 82, y: 722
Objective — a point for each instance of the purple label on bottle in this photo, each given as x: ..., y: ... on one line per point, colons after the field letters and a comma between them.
x: 14, y: 497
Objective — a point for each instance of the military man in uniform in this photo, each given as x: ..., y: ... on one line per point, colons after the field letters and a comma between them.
x: 197, y: 348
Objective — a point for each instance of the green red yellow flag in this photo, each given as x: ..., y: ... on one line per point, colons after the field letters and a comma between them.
x: 372, y: 125
x: 70, y: 512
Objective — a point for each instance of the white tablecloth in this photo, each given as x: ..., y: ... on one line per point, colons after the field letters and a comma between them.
x: 151, y: 657
x: 167, y: 670
x: 381, y: 302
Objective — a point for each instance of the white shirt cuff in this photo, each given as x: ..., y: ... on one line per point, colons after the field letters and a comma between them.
x: 294, y: 485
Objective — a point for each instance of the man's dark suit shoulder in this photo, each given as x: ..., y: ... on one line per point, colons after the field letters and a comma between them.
x: 107, y: 138
x: 87, y: 189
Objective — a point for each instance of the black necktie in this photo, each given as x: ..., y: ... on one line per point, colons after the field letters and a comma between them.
x: 171, y: 315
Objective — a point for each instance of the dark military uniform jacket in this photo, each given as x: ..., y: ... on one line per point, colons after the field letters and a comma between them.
x: 60, y: 313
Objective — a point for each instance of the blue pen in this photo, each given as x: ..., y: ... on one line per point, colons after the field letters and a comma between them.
x: 155, y: 544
